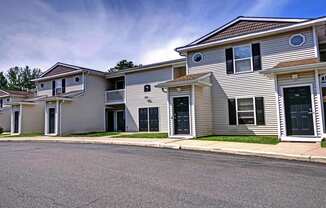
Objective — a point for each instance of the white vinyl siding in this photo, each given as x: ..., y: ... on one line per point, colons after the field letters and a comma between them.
x: 203, y: 111
x: 274, y: 49
x: 71, y: 85
x: 136, y: 97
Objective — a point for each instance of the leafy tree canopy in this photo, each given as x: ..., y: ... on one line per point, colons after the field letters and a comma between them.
x: 121, y: 65
x: 19, y: 78
x: 3, y: 81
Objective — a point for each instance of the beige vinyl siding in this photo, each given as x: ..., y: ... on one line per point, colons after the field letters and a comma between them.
x: 71, y: 85
x: 32, y: 118
x: 5, y: 114
x: 203, y: 111
x: 180, y: 92
x: 86, y: 112
x: 274, y: 49
x: 306, y: 78
x: 136, y: 97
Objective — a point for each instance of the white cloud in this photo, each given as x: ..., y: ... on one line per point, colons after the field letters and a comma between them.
x: 94, y: 34
x: 163, y: 53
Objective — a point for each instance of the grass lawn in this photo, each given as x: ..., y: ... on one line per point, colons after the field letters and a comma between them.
x: 323, y: 143
x: 143, y: 135
x: 246, y: 139
x: 33, y: 134
x: 94, y: 134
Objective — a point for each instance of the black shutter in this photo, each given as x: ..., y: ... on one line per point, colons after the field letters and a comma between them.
x: 153, y: 119
x: 229, y: 61
x: 256, y: 57
x: 143, y: 119
x: 260, y: 112
x: 53, y: 88
x: 232, y: 112
x: 1, y: 103
x: 63, y: 84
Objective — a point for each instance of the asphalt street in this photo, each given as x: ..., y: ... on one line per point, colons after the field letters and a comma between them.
x: 85, y: 175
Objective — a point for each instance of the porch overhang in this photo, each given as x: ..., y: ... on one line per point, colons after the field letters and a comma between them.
x: 200, y: 79
x: 295, y: 66
x: 22, y: 103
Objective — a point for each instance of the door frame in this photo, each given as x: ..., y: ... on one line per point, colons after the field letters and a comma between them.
x: 312, y: 106
x: 57, y: 107
x: 12, y: 120
x: 172, y: 116
x: 148, y: 126
x: 115, y: 118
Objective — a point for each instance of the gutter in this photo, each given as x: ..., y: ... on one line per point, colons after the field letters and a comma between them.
x: 302, y: 25
x: 284, y: 70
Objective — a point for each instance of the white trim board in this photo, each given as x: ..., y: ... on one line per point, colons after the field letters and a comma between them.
x: 312, y: 106
x: 189, y: 114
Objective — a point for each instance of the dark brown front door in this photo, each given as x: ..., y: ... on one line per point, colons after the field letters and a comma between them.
x: 51, y: 120
x: 109, y: 120
x: 181, y: 115
x: 120, y: 121
x: 16, y: 121
x: 298, y: 111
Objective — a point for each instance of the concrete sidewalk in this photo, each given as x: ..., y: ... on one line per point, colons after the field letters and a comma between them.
x: 291, y: 151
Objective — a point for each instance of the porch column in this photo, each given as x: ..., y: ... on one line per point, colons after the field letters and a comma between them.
x: 57, y: 118
x: 20, y: 119
x: 12, y: 120
x: 319, y: 102
x: 277, y: 107
x: 193, y: 114
x: 46, y: 119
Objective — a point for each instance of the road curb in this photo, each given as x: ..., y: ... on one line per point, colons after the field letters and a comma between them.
x: 275, y: 155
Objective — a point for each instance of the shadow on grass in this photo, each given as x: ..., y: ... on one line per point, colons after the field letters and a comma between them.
x: 143, y: 135
x: 244, y: 139
x: 94, y: 134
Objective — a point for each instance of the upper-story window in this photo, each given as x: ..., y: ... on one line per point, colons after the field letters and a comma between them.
x: 197, y: 57
x: 245, y: 58
x: 42, y: 85
x: 242, y: 58
x: 58, y: 86
x: 120, y: 84
x: 297, y: 40
x: 77, y: 79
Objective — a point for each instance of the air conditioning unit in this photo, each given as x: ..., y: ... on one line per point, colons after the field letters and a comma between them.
x: 58, y: 91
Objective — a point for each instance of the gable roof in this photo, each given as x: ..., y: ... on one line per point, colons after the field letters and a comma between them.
x: 243, y: 28
x: 16, y: 93
x: 153, y: 66
x: 63, y: 69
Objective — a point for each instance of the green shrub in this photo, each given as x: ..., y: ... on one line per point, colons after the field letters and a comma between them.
x: 1, y: 130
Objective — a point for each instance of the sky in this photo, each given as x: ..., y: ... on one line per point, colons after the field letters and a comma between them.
x: 99, y: 33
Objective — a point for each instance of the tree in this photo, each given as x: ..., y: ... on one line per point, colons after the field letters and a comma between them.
x: 121, y: 65
x: 3, y: 81
x: 13, y: 77
x: 20, y: 78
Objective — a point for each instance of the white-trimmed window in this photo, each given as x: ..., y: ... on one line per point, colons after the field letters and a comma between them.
x: 245, y: 108
x: 242, y: 56
x: 297, y: 40
x: 197, y: 57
